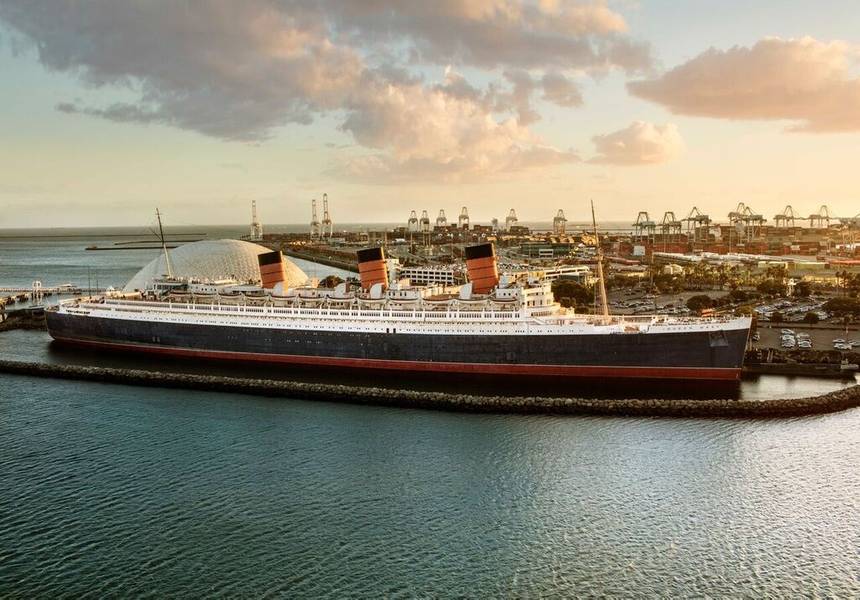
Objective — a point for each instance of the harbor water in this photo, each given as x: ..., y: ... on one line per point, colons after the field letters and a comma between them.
x: 109, y: 490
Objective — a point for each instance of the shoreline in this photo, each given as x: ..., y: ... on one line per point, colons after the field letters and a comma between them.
x: 835, y: 401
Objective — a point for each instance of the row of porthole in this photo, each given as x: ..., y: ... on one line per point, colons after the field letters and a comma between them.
x: 371, y: 330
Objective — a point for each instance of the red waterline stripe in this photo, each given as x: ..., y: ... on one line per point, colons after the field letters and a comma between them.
x: 703, y: 373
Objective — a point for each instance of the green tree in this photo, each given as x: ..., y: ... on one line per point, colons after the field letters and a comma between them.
x: 843, y: 306
x: 803, y: 289
x: 331, y: 281
x: 772, y: 287
x: 777, y: 317
x: 700, y: 302
x: 572, y: 293
x: 739, y: 296
x: 668, y: 284
x: 811, y: 317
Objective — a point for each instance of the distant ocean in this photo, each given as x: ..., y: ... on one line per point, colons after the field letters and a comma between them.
x: 57, y: 256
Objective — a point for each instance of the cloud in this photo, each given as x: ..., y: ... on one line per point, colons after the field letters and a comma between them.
x: 569, y: 34
x: 639, y: 144
x: 232, y: 70
x: 560, y: 90
x: 239, y: 70
x: 519, y: 98
x: 801, y: 80
x: 429, y: 134
x: 120, y: 112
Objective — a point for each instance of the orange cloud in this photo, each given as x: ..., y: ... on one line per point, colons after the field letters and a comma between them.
x: 639, y: 144
x: 426, y: 134
x: 801, y: 80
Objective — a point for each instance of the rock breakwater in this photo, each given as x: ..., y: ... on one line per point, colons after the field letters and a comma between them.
x: 723, y: 408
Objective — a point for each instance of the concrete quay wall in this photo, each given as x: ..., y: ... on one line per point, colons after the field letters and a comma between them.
x: 723, y: 408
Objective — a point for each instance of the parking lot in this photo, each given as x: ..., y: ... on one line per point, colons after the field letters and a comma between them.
x: 822, y: 339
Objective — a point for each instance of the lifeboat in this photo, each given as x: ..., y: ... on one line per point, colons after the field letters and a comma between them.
x: 238, y: 298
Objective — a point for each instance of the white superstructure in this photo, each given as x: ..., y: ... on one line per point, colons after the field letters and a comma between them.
x: 516, y: 307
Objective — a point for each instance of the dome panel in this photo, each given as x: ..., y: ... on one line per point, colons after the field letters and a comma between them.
x: 213, y: 259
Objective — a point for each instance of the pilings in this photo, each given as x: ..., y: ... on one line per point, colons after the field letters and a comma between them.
x: 723, y: 408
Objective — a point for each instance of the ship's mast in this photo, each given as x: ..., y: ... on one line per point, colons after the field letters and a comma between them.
x: 600, y: 279
x: 164, y: 245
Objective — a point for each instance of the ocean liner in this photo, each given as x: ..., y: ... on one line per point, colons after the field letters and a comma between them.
x: 495, y: 324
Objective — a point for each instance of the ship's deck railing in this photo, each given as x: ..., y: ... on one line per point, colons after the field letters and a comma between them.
x: 396, y: 314
x: 276, y: 311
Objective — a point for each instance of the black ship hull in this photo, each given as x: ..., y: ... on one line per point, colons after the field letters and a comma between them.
x: 716, y: 355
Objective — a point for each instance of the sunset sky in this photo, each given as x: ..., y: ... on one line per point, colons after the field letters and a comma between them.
x: 113, y: 107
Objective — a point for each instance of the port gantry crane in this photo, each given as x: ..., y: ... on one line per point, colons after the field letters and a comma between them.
x: 559, y: 223
x: 747, y: 221
x: 463, y: 219
x: 424, y: 227
x: 786, y: 218
x: 511, y: 220
x: 644, y: 228
x: 256, y: 226
x: 315, y: 222
x: 412, y: 223
x: 327, y: 227
x: 699, y: 225
x: 424, y: 223
x: 442, y: 220
x: 821, y: 219
x: 670, y: 228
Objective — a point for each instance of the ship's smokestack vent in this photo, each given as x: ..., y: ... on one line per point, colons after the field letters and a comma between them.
x: 372, y: 268
x: 483, y: 267
x: 271, y: 269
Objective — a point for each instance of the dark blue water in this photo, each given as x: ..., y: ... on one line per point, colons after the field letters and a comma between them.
x: 117, y: 491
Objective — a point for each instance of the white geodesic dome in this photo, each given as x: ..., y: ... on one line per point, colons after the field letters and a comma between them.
x: 213, y: 259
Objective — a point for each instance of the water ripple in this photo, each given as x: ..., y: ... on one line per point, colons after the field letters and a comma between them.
x: 114, y: 491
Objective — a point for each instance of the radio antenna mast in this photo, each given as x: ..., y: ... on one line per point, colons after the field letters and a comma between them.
x: 164, y: 245
x: 600, y: 279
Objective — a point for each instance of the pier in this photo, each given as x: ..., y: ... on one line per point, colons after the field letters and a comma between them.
x: 35, y: 293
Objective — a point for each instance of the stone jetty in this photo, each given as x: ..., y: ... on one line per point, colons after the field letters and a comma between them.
x: 723, y: 408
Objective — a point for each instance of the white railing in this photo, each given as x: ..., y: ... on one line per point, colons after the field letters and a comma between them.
x: 398, y: 315
x: 273, y: 311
